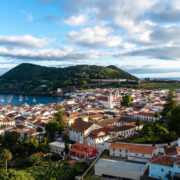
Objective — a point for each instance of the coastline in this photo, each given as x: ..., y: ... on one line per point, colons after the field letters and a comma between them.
x: 31, y: 94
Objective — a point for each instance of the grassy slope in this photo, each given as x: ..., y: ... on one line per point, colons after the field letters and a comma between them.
x: 160, y: 85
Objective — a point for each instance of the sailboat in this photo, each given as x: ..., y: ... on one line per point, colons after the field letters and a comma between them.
x: 34, y: 100
x: 26, y: 98
x: 20, y: 98
x: 2, y: 99
x: 9, y: 99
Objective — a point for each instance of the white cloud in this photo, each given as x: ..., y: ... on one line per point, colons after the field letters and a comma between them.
x: 95, y: 37
x: 23, y: 41
x: 48, y: 54
x: 129, y: 46
x: 76, y: 20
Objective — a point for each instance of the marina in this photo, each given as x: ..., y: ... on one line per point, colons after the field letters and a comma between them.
x: 16, y: 100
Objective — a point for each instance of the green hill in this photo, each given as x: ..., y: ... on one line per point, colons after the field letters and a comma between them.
x: 29, y: 77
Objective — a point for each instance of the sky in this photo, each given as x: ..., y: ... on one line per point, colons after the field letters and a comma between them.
x: 141, y: 37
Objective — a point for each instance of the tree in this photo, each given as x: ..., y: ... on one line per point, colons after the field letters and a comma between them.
x: 174, y: 120
x: 32, y: 144
x: 119, y: 84
x: 44, y: 146
x: 126, y: 100
x: 90, y: 119
x: 14, y: 175
x: 105, y: 117
x: 152, y: 131
x: 39, y: 130
x: 56, y: 157
x: 66, y: 138
x: 3, y: 174
x: 35, y: 159
x: 51, y: 129
x: 6, y: 156
x: 59, y: 117
x: 66, y: 149
x: 171, y: 136
x: 138, y: 123
x: 10, y: 139
x: 1, y: 139
x: 170, y: 104
x: 157, y: 114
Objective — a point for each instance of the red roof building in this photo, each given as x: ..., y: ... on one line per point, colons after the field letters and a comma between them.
x: 81, y: 151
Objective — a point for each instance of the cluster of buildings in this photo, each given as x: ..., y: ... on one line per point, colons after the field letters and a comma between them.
x: 134, y: 161
x: 95, y: 121
x: 26, y: 119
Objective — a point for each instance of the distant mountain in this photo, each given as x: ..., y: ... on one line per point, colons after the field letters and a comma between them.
x: 29, y: 77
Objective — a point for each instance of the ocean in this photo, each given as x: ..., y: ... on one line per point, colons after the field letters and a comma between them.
x: 16, y: 100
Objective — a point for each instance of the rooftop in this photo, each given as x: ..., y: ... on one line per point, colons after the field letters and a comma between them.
x: 123, y: 165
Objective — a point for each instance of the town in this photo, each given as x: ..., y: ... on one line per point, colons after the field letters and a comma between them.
x: 110, y: 133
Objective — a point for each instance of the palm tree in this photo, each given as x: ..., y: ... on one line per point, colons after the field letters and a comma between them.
x: 6, y: 156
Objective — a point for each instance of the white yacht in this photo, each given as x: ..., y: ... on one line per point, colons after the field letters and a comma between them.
x: 34, y: 100
x: 20, y: 98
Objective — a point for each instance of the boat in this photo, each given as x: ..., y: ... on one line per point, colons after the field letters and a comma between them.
x: 20, y: 98
x: 10, y: 99
x: 26, y: 98
x: 2, y: 99
x: 34, y: 100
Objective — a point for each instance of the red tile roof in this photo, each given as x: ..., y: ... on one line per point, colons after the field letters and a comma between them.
x: 81, y: 125
x: 79, y: 151
x: 133, y: 148
x: 165, y: 160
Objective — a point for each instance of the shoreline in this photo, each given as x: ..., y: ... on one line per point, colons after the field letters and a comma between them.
x: 31, y: 94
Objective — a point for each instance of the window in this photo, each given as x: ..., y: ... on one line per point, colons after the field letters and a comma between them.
x: 113, y: 154
x: 120, y: 150
x: 113, y: 149
x: 162, y: 170
x: 126, y: 151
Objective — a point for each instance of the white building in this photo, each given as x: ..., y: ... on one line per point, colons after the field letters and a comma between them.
x: 97, y: 138
x: 113, y: 169
x: 110, y: 101
x: 146, y: 116
x: 80, y: 129
x: 133, y: 151
x: 57, y: 147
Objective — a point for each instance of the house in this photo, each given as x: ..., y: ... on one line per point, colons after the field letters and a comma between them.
x: 146, y: 116
x: 125, y: 131
x: 96, y: 117
x: 23, y: 130
x: 133, y: 151
x: 116, y: 169
x: 164, y: 167
x: 6, y: 121
x: 97, y: 137
x: 81, y: 151
x: 57, y: 147
x: 80, y: 129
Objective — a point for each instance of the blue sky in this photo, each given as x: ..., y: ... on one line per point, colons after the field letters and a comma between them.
x: 139, y: 36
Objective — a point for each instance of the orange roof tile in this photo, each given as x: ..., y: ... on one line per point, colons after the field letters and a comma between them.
x: 78, y: 151
x: 133, y: 148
